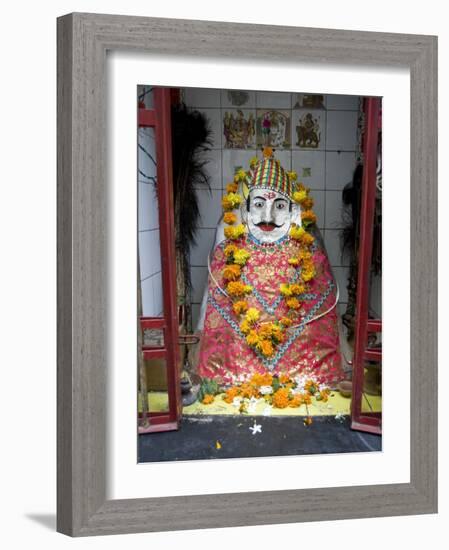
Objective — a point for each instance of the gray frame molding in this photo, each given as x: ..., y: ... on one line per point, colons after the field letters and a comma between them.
x: 83, y: 40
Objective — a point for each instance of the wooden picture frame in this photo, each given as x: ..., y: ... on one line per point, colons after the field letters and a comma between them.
x: 83, y: 40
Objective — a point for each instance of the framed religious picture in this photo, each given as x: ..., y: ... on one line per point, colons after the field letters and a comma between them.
x: 235, y: 274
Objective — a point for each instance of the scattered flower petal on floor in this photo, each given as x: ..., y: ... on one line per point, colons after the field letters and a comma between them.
x: 256, y: 428
x: 218, y: 445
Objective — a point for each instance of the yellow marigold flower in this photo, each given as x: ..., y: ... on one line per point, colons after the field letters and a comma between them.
x: 231, y: 201
x: 304, y: 255
x: 230, y: 218
x: 231, y: 272
x: 208, y: 399
x: 266, y: 347
x: 281, y: 398
x: 297, y: 288
x: 301, y: 187
x: 297, y: 233
x: 295, y: 401
x: 247, y: 289
x: 292, y: 175
x: 286, y: 321
x: 252, y: 338
x: 240, y: 175
x: 239, y: 230
x: 230, y: 249
x: 226, y: 203
x: 293, y: 303
x: 235, y: 288
x: 308, y: 216
x: 308, y: 271
x: 240, y: 307
x: 252, y: 315
x: 293, y: 261
x: 241, y: 256
x: 231, y: 187
x: 253, y: 161
x: 306, y: 398
x: 245, y: 326
x: 300, y: 196
x: 285, y: 289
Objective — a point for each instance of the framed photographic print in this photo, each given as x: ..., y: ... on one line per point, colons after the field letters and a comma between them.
x: 246, y: 274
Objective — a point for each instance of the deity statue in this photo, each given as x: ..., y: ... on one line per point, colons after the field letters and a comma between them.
x: 270, y: 305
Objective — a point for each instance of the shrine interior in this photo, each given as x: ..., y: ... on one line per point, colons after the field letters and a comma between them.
x: 244, y: 165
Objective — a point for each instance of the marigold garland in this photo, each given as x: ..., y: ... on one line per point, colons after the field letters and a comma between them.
x: 262, y: 336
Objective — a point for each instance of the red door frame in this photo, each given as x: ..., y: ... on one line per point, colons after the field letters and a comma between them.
x: 159, y: 118
x: 368, y: 422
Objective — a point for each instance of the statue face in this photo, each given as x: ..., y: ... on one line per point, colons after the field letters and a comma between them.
x: 270, y: 215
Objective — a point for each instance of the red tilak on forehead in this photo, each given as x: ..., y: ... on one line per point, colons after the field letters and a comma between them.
x: 269, y: 195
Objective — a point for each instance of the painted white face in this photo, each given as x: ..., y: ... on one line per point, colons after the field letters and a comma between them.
x: 270, y: 215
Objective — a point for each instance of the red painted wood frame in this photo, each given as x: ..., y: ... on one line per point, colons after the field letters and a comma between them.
x: 366, y: 421
x: 159, y: 118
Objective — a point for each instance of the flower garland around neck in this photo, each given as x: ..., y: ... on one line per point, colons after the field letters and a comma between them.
x: 264, y: 337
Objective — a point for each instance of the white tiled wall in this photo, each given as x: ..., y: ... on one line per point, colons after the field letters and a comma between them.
x: 148, y: 222
x: 330, y: 167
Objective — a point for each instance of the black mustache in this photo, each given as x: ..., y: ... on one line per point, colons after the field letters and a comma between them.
x: 268, y: 223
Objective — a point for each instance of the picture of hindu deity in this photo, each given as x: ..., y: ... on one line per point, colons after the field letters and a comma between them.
x: 308, y: 132
x: 238, y: 130
x: 273, y: 129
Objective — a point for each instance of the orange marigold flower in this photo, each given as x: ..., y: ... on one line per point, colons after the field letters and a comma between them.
x: 306, y: 398
x: 307, y: 421
x: 308, y: 216
x: 307, y: 203
x: 286, y: 321
x: 259, y: 379
x: 230, y: 394
x: 293, y: 303
x: 230, y: 249
x: 231, y: 188
x: 284, y: 378
x: 281, y: 398
x: 297, y: 288
x: 295, y: 401
x: 304, y: 255
x: 231, y: 272
x: 307, y: 239
x: 245, y: 326
x: 208, y: 399
x: 266, y: 347
x: 267, y: 152
x: 266, y: 330
x: 240, y: 307
x: 277, y: 334
x: 229, y: 218
x: 235, y: 288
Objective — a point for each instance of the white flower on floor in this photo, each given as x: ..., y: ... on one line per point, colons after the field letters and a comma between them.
x: 266, y: 390
x: 267, y: 410
x: 256, y: 428
x: 340, y: 416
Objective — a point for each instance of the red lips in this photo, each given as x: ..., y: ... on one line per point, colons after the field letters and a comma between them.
x: 267, y: 226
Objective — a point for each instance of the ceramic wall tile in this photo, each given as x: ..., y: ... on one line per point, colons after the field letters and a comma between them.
x: 341, y: 276
x: 238, y: 99
x: 340, y: 168
x: 210, y: 207
x: 199, y: 282
x: 341, y: 131
x: 273, y: 100
x: 205, y: 239
x: 332, y: 241
x: 334, y: 210
x: 309, y: 165
x: 342, y: 102
x: 233, y: 160
x: 308, y: 101
x: 150, y: 253
x: 213, y: 117
x: 238, y: 128
x: 273, y: 128
x: 309, y: 129
x: 201, y: 97
x: 148, y: 215
x: 212, y: 167
x: 319, y: 198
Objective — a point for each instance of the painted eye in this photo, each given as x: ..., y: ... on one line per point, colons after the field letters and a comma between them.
x: 258, y: 204
x: 280, y: 205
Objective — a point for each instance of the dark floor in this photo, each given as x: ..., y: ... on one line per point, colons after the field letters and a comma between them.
x: 198, y: 436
